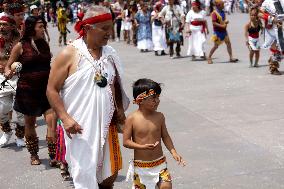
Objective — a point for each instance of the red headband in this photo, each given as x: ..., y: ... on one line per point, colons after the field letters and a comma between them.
x: 7, y: 19
x: 194, y: 3
x: 93, y: 20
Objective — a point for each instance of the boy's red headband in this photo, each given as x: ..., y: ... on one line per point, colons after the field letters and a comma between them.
x: 93, y: 20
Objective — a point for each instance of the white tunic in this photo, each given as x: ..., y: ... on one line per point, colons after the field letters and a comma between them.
x: 92, y: 108
x: 197, y: 39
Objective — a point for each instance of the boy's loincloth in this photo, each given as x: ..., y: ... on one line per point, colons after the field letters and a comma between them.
x: 147, y: 174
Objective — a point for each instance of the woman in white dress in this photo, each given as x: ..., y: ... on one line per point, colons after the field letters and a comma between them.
x: 126, y: 24
x: 144, y: 32
x: 196, y: 29
x: 158, y: 31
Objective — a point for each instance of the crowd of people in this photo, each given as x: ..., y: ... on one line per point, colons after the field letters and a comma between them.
x: 81, y: 94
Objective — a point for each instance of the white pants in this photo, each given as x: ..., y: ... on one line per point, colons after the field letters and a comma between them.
x: 270, y: 38
x: 7, y: 95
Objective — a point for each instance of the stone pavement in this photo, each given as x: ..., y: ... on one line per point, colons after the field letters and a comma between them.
x: 225, y: 119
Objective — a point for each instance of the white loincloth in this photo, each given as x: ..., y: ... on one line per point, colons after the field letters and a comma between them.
x: 148, y: 176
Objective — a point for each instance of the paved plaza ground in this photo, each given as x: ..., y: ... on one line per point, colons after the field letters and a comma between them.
x: 226, y: 120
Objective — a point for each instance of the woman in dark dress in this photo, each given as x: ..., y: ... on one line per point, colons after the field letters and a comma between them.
x: 34, y: 54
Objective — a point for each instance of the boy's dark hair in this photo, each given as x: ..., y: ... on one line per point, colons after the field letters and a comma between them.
x: 142, y: 85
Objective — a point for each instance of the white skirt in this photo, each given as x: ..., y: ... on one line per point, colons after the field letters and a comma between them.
x: 196, y: 43
x: 145, y: 44
x: 254, y: 43
x: 159, y: 38
x: 126, y: 25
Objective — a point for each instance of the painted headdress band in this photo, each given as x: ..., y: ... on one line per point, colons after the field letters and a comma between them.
x: 144, y: 95
x: 93, y: 20
x: 7, y: 19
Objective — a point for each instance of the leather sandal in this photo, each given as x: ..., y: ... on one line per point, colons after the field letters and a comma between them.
x: 35, y: 160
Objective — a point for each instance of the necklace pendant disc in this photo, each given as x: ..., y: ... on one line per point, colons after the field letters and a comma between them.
x: 100, y: 80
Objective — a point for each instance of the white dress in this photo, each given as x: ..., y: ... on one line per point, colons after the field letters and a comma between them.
x: 197, y: 39
x: 126, y: 22
x: 158, y: 36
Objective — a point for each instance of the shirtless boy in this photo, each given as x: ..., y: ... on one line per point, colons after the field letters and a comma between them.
x: 143, y: 132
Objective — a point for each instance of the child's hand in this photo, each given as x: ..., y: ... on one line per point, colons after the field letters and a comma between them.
x: 179, y: 159
x: 227, y: 22
x: 150, y: 146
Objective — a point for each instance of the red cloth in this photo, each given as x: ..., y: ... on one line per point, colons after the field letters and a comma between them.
x: 80, y: 15
x: 274, y: 51
x: 7, y: 19
x: 254, y: 35
x: 265, y: 17
x: 194, y: 3
x: 61, y: 148
x: 215, y: 19
x: 96, y: 19
x: 199, y: 23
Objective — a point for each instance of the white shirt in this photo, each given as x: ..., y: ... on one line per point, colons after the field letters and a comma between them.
x: 168, y: 14
x: 193, y: 16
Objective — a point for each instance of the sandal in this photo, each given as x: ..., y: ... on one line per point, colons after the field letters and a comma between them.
x: 64, y: 172
x: 233, y: 60
x: 209, y: 61
x: 35, y: 160
x: 53, y: 163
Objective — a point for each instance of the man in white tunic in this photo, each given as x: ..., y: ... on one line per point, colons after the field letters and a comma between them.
x: 85, y: 91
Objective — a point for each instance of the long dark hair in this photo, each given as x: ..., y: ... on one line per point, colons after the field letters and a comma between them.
x: 30, y: 24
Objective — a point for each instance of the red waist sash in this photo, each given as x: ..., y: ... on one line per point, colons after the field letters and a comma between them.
x: 199, y: 23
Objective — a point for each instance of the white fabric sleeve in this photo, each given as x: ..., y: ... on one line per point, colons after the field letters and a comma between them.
x: 179, y: 9
x: 188, y: 17
x: 163, y: 12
